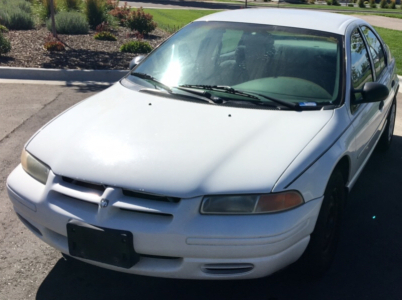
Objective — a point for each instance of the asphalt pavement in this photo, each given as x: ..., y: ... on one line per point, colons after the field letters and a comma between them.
x: 368, y: 263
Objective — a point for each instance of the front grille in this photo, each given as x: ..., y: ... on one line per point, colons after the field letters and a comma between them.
x: 78, y: 197
x: 133, y: 194
x: 92, y: 186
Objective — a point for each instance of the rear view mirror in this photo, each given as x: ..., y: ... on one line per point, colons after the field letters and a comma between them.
x: 135, y: 61
x: 372, y: 92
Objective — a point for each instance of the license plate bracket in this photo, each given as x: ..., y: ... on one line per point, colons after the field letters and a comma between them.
x: 105, y: 245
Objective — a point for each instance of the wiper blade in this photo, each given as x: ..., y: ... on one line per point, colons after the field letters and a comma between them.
x: 203, y: 94
x: 251, y: 95
x: 153, y: 79
x: 225, y: 88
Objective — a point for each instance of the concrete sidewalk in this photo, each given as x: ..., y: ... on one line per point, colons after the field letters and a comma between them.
x: 385, y: 22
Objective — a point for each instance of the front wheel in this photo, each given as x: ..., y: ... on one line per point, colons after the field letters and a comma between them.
x: 320, y: 252
x: 386, y: 139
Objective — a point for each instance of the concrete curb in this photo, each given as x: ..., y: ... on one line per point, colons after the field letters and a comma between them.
x: 61, y: 74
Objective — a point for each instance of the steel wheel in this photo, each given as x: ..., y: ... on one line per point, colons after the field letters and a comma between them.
x: 386, y: 139
x: 324, y: 239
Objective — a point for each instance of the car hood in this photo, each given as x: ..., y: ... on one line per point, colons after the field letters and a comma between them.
x: 143, y: 142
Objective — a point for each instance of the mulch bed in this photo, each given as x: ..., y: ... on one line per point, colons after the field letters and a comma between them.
x: 82, y: 51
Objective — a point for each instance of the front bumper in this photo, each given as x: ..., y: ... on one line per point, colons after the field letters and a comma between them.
x: 173, y: 239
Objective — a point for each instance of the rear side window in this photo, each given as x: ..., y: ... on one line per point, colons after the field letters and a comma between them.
x: 360, y: 65
x: 376, y: 50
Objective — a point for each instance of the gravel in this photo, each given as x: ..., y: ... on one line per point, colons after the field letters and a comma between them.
x: 82, y: 51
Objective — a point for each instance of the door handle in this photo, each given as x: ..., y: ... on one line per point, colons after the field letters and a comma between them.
x: 381, y: 105
x: 393, y: 83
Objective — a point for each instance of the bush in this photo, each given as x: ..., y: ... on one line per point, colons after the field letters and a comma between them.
x: 68, y: 22
x: 112, y: 4
x: 105, y: 36
x: 121, y: 13
x: 336, y: 3
x: 351, y: 5
x: 5, y: 45
x: 373, y: 4
x: 3, y: 29
x: 383, y: 3
x: 140, y: 21
x: 392, y: 4
x: 136, y: 47
x: 54, y: 46
x: 361, y: 4
x: 73, y: 4
x: 16, y: 14
x: 96, y: 12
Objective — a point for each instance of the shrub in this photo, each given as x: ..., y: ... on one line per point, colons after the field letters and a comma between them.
x: 16, y: 14
x: 336, y: 3
x: 366, y: 2
x: 73, y: 4
x: 3, y: 29
x: 373, y: 4
x: 311, y: 1
x: 104, y: 26
x: 361, y: 4
x: 121, y: 13
x: 96, y: 13
x: 383, y: 3
x: 5, y: 45
x: 68, y: 22
x: 112, y: 4
x: 351, y: 5
x: 136, y: 47
x: 392, y: 4
x: 105, y: 36
x: 54, y: 46
x: 140, y: 21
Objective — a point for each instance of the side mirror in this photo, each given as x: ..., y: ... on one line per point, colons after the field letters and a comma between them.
x: 372, y: 92
x: 135, y: 61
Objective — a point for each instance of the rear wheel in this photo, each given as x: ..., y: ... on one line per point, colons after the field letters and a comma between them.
x: 386, y: 139
x: 323, y: 241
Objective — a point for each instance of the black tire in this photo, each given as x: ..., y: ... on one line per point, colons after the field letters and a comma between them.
x: 321, y: 249
x: 386, y: 139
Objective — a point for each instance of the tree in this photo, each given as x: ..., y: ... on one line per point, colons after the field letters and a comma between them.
x: 53, y: 21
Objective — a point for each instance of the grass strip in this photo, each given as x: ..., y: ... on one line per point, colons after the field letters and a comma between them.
x: 171, y: 20
x: 393, y: 39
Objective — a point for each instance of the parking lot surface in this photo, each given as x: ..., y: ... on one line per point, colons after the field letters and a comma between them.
x: 368, y: 264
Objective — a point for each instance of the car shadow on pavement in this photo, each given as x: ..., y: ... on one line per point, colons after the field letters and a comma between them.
x: 368, y: 263
x: 88, y: 88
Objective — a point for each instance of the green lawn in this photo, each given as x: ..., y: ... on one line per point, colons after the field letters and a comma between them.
x: 393, y: 39
x: 171, y: 20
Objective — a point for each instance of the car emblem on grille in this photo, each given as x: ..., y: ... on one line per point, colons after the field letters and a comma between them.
x: 104, y: 203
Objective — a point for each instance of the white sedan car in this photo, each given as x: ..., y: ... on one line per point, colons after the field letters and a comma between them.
x: 226, y: 153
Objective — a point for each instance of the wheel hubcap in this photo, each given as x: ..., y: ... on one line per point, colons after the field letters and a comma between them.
x: 331, y: 220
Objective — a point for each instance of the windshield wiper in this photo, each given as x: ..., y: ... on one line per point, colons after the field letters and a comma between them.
x: 152, y: 79
x: 255, y: 96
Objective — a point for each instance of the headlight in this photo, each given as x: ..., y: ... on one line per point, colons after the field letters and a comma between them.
x: 251, y: 204
x: 34, y: 167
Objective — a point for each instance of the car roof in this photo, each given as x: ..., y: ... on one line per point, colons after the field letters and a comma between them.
x: 298, y: 18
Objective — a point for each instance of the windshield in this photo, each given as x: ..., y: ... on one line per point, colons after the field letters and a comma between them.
x: 289, y: 64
